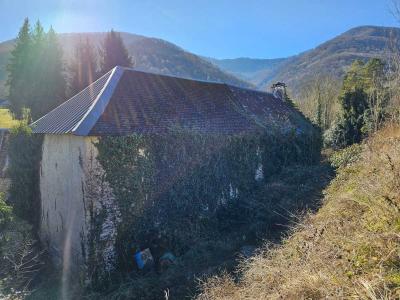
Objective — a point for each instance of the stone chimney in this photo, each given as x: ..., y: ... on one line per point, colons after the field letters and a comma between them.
x: 279, y: 90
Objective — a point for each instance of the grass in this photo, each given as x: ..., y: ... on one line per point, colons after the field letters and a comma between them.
x: 6, y: 119
x: 349, y: 249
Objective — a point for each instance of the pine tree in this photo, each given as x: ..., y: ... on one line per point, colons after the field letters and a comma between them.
x: 19, y: 71
x: 49, y: 79
x: 83, y: 69
x: 56, y: 83
x: 114, y: 53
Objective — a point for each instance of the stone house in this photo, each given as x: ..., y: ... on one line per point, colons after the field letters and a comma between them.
x: 125, y: 102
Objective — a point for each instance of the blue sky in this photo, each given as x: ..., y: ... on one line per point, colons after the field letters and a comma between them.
x: 219, y: 28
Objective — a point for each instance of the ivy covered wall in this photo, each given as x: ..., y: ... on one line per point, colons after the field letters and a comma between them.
x: 173, y: 188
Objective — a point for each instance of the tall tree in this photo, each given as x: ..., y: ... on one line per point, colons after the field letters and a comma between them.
x: 50, y: 83
x: 114, y: 53
x: 363, y: 102
x: 83, y: 69
x: 19, y: 71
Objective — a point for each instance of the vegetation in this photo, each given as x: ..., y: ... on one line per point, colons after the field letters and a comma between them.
x: 25, y: 155
x: 20, y: 257
x: 6, y: 119
x: 83, y: 68
x: 114, y: 53
x: 349, y: 249
x: 35, y: 72
x: 363, y: 102
x: 182, y: 191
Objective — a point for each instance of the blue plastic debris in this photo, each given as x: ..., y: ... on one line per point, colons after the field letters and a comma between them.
x: 144, y: 258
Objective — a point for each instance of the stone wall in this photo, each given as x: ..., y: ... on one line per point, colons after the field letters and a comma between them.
x: 64, y: 220
x: 76, y: 203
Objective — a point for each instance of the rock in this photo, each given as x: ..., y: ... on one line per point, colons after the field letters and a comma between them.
x: 247, y: 251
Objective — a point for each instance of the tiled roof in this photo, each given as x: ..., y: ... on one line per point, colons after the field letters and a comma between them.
x: 125, y: 101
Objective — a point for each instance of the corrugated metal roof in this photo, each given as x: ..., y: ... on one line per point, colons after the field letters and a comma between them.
x: 64, y: 118
x: 125, y: 101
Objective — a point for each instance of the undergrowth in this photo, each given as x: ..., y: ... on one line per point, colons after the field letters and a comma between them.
x: 350, y: 249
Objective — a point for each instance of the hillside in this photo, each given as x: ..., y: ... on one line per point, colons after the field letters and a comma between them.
x: 350, y: 249
x: 150, y: 54
x: 155, y: 55
x: 252, y: 70
x: 332, y: 57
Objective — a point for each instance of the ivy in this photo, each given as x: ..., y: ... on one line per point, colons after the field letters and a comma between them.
x: 179, y: 186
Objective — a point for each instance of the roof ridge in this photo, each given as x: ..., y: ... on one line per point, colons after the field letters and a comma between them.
x: 98, y: 106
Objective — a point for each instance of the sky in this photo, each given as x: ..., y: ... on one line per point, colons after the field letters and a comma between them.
x: 214, y: 28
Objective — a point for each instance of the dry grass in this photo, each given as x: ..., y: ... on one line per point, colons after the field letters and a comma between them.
x: 350, y: 249
x: 6, y: 119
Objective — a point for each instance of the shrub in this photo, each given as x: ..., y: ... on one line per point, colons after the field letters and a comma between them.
x: 345, y: 157
x: 20, y: 256
x: 25, y: 154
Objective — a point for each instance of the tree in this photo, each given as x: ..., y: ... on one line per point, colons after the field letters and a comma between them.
x: 19, y: 71
x: 25, y: 154
x: 48, y: 76
x: 318, y: 100
x: 83, y: 68
x: 114, y: 53
x: 363, y: 102
x: 35, y: 72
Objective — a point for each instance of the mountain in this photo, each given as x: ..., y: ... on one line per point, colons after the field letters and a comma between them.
x: 150, y: 54
x: 250, y: 69
x: 330, y: 58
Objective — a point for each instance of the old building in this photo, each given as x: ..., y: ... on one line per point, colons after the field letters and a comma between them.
x: 125, y: 102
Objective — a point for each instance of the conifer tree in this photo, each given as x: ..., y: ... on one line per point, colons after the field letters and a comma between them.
x: 19, y: 71
x: 362, y: 103
x: 50, y: 84
x: 83, y: 69
x: 114, y: 53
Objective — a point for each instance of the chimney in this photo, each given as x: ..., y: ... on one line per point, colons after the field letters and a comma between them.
x: 279, y: 90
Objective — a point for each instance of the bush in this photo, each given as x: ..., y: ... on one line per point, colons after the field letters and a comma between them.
x: 25, y: 154
x: 345, y: 157
x: 20, y: 256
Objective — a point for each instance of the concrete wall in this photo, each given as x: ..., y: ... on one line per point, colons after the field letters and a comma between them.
x: 64, y: 221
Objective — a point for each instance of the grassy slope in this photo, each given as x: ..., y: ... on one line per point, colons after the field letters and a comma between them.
x: 349, y: 249
x: 6, y: 120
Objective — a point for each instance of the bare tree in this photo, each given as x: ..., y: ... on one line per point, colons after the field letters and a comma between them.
x: 318, y: 100
x: 21, y: 261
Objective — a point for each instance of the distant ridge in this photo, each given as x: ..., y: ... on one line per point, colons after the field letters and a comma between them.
x: 330, y: 58
x: 159, y: 56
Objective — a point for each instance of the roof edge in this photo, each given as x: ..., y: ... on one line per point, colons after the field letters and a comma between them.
x: 94, y: 112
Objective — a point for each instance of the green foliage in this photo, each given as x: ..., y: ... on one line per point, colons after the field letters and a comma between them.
x: 362, y: 101
x: 83, y: 68
x: 114, y: 53
x: 345, y: 157
x: 20, y: 258
x: 35, y: 72
x: 25, y: 154
x: 19, y: 70
x: 173, y: 189
x: 5, y: 214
